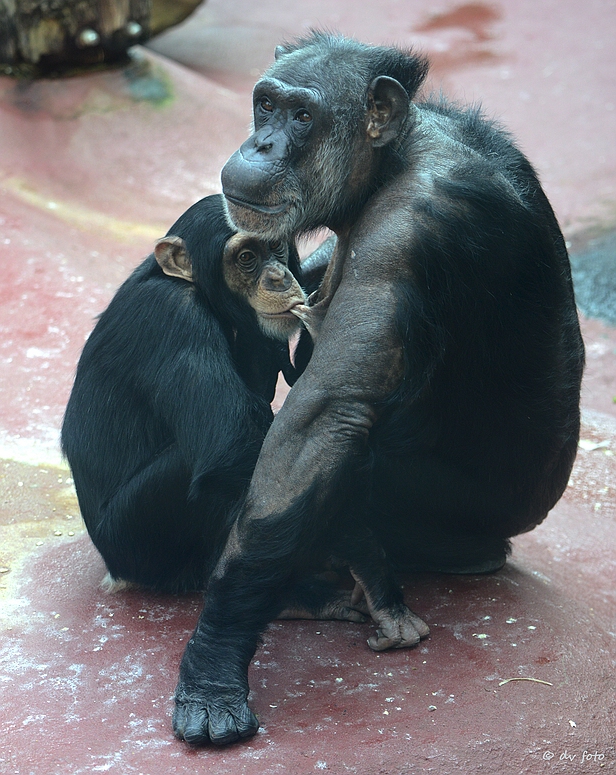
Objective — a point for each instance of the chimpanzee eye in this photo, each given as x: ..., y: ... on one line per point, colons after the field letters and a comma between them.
x: 303, y: 116
x: 266, y: 105
x: 247, y: 261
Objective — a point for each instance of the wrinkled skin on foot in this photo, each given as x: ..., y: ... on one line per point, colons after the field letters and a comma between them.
x: 215, y: 714
x: 340, y: 608
x: 397, y: 626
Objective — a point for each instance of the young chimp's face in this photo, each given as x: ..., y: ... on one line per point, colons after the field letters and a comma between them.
x: 258, y: 272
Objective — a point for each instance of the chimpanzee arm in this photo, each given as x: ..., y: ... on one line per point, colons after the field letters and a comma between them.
x: 319, y: 433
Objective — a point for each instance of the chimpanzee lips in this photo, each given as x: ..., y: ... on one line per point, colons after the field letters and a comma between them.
x: 284, y: 313
x: 260, y: 208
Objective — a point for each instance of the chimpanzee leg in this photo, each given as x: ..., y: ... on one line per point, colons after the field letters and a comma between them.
x: 319, y: 436
x: 354, y: 545
x: 213, y: 688
x: 397, y: 626
x: 149, y: 533
x: 432, y: 516
x: 259, y: 559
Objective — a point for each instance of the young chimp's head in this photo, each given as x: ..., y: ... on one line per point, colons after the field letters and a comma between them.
x: 329, y: 116
x: 244, y: 280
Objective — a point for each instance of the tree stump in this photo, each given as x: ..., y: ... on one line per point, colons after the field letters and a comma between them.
x: 43, y: 35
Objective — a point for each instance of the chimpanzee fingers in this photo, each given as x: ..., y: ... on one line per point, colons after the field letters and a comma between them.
x: 419, y: 624
x: 178, y: 721
x: 383, y: 641
x: 311, y: 317
x: 221, y: 727
x: 200, y: 722
x: 226, y: 725
x: 190, y: 723
x: 300, y: 311
x: 380, y: 642
x: 246, y: 722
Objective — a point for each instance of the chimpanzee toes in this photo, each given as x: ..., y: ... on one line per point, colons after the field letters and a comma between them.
x: 398, y: 628
x: 351, y: 615
x: 343, y: 609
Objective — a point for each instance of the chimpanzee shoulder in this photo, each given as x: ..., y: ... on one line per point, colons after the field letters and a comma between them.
x: 490, y: 152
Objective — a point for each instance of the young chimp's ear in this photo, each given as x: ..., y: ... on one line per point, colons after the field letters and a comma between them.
x: 173, y: 257
x: 388, y: 107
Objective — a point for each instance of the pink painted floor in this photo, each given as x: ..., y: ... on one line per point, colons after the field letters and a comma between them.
x: 92, y: 170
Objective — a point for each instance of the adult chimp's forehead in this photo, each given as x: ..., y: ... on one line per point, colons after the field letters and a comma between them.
x: 311, y: 67
x: 287, y: 90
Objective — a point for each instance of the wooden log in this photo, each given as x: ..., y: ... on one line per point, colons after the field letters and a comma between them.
x: 50, y: 33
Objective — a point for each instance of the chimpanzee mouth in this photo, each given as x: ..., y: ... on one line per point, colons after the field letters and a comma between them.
x: 268, y: 209
x: 285, y: 313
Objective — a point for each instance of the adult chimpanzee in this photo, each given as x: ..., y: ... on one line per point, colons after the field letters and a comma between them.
x: 171, y: 398
x: 439, y: 414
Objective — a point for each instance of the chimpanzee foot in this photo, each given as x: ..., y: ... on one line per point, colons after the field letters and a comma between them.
x: 341, y: 608
x: 220, y: 716
x: 397, y: 626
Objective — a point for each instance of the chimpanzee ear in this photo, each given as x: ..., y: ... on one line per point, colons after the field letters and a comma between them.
x: 173, y: 258
x: 388, y: 106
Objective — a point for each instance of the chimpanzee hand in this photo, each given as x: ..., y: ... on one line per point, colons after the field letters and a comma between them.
x: 398, y: 628
x: 312, y: 316
x: 213, y: 713
x: 212, y: 691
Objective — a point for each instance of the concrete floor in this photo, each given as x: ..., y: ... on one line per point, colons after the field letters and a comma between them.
x: 92, y: 170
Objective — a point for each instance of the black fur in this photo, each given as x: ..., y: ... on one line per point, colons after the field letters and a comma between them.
x: 169, y: 409
x: 439, y: 413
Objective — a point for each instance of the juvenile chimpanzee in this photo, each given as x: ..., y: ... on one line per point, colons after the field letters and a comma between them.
x: 439, y: 414
x: 172, y: 395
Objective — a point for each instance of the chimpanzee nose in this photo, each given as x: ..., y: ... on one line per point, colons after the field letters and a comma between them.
x: 263, y: 145
x: 275, y: 278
